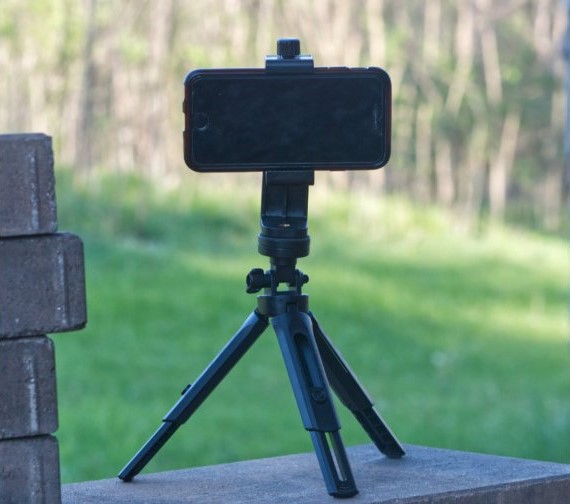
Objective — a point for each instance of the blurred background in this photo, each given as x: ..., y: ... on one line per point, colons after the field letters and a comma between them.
x: 443, y: 277
x: 477, y: 86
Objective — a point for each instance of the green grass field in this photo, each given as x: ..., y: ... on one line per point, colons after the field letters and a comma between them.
x: 461, y: 338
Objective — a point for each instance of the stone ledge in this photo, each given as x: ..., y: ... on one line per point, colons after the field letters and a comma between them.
x: 423, y: 475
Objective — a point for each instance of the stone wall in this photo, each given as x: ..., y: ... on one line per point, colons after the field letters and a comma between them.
x: 42, y: 290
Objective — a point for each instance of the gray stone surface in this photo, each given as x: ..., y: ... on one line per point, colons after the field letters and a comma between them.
x: 28, y: 401
x: 27, y: 194
x: 42, y: 285
x: 423, y: 475
x: 32, y: 474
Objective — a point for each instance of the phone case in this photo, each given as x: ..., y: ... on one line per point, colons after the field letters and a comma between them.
x: 250, y: 120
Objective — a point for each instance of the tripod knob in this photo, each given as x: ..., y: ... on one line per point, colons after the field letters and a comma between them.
x: 256, y: 280
x: 288, y: 48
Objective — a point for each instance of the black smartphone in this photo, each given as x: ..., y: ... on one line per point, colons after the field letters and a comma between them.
x: 252, y: 120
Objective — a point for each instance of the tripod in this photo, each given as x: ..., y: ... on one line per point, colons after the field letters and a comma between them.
x: 311, y: 360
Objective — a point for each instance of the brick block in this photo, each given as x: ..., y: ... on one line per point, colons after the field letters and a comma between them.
x: 29, y: 471
x: 28, y: 400
x: 42, y: 285
x: 27, y: 185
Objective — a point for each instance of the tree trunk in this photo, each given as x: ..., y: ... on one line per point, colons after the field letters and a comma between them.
x: 566, y: 51
x: 472, y: 189
x: 501, y: 167
x: 422, y: 182
x: 84, y: 135
x: 445, y: 186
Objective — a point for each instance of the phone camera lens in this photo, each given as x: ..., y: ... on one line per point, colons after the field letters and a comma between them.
x: 200, y: 121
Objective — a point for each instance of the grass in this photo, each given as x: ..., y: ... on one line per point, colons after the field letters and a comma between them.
x: 461, y: 339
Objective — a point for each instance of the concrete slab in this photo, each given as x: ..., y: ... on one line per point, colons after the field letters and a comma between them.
x: 423, y: 475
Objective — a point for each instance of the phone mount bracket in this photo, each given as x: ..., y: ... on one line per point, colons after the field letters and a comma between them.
x: 289, y: 58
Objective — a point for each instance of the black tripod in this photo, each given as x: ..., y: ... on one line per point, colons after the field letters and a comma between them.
x: 311, y: 360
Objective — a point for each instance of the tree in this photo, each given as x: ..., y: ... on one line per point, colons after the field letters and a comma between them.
x: 477, y: 86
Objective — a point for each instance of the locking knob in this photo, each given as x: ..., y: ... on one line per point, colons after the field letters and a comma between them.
x: 288, y: 48
x: 256, y: 280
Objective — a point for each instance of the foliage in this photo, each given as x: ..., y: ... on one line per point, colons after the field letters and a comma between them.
x: 477, y: 87
x: 461, y: 339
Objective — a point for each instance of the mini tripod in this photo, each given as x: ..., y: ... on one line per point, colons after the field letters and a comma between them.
x: 311, y: 360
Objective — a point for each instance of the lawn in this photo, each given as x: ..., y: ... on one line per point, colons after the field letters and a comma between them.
x: 460, y: 337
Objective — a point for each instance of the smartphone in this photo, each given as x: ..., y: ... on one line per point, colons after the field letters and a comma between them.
x: 253, y: 120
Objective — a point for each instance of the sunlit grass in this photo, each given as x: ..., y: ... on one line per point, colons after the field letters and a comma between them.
x: 460, y: 338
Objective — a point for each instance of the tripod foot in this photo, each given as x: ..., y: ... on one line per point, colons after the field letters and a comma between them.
x: 352, y: 394
x: 143, y: 456
x: 379, y: 432
x: 339, y: 481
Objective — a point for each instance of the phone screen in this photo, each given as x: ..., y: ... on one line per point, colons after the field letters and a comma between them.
x: 324, y: 120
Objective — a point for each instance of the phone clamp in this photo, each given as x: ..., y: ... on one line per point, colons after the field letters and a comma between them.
x: 289, y: 58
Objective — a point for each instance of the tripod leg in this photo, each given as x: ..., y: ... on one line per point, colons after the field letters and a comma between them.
x: 295, y: 335
x: 196, y: 393
x: 353, y: 396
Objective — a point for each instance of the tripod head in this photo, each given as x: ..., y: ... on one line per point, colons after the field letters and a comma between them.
x: 284, y: 230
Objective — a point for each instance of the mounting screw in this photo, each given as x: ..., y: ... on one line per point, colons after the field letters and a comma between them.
x: 318, y: 395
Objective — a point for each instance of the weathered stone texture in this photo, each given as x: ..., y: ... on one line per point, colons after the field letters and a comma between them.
x: 423, y: 476
x: 42, y: 285
x: 29, y: 472
x: 28, y: 402
x: 27, y: 188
